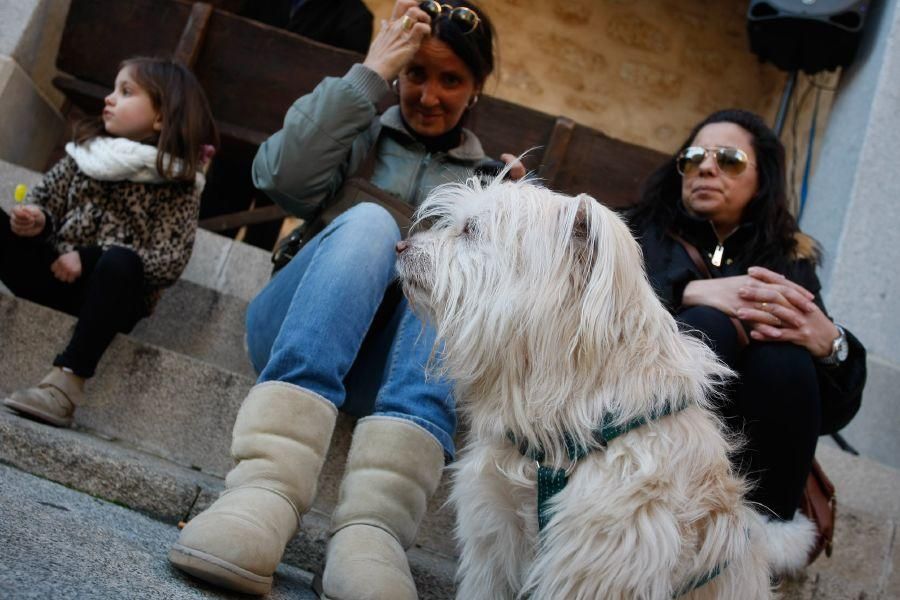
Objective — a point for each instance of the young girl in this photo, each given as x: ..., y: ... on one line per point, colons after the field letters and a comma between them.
x: 112, y: 224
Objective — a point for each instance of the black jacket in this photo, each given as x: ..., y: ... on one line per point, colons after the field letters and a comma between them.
x: 670, y: 269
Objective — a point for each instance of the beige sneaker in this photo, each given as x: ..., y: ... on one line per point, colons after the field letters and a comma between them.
x: 53, y: 400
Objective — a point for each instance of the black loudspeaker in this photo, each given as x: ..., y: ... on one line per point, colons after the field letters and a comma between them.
x: 806, y: 35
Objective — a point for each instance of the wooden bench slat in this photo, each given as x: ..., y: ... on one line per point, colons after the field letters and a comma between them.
x: 235, y: 220
x: 556, y: 150
x: 191, y: 40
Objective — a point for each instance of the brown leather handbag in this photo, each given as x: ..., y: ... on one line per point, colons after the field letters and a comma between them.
x: 819, y: 502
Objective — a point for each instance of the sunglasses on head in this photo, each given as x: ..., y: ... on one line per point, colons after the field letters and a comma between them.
x: 464, y: 18
x: 731, y: 161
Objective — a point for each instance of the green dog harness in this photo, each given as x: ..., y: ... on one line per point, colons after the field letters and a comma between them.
x: 551, y: 481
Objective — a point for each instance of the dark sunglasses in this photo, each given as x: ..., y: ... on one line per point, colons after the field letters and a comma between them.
x: 731, y: 161
x: 465, y: 18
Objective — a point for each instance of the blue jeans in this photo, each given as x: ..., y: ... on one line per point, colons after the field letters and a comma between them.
x: 313, y: 326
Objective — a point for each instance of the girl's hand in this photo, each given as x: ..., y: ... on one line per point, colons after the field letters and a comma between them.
x: 394, y: 46
x: 517, y: 171
x: 67, y: 268
x: 27, y: 221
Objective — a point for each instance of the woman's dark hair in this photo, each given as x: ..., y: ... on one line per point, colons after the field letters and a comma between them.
x: 475, y: 48
x: 773, y: 242
x: 187, y: 121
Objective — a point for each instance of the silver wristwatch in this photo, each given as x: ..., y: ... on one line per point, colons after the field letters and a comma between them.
x: 839, y: 349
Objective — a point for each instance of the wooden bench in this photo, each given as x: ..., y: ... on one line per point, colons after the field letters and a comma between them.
x: 252, y: 73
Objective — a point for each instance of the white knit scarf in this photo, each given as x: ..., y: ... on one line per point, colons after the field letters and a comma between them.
x: 120, y: 159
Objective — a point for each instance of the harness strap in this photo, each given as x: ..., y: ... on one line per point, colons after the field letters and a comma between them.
x: 551, y: 481
x: 702, y: 580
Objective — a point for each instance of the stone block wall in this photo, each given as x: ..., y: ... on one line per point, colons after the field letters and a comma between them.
x: 31, y: 123
x: 643, y: 72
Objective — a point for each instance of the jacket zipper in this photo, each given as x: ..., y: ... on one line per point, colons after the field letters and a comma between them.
x: 420, y: 175
x: 719, y: 252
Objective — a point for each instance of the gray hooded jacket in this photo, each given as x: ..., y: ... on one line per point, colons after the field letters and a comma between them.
x: 327, y: 134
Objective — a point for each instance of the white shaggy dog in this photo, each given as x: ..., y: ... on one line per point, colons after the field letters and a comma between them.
x: 551, y: 329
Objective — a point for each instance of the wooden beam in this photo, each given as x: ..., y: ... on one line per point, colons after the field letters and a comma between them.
x: 234, y: 220
x: 193, y: 34
x: 556, y: 150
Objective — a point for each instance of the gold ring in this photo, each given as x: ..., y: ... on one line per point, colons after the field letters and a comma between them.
x: 764, y: 305
x: 406, y: 23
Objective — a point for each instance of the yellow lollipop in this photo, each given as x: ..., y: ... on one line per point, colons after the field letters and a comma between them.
x: 20, y: 192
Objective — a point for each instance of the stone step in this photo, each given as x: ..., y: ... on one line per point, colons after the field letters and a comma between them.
x: 115, y: 472
x: 865, y: 562
x: 166, y: 404
x: 202, y: 323
x: 58, y: 543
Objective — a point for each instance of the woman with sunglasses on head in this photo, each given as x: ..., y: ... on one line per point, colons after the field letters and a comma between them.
x: 722, y: 198
x: 313, y: 333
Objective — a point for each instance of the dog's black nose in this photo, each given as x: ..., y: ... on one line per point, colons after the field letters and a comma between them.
x: 401, y: 246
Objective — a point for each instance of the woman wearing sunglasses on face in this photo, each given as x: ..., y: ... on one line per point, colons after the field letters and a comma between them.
x: 799, y: 374
x: 312, y: 333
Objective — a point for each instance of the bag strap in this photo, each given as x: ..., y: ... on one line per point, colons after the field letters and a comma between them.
x: 693, y: 253
x: 367, y: 167
x: 697, y: 259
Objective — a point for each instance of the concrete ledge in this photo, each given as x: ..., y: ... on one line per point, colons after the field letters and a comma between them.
x: 58, y: 543
x: 30, y: 33
x: 200, y: 323
x: 165, y: 491
x: 30, y: 126
x: 166, y: 404
x: 105, y: 469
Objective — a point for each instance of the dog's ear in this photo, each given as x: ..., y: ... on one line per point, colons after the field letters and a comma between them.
x: 582, y: 247
x: 580, y: 225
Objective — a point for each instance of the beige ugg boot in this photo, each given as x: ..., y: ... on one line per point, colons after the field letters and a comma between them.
x: 53, y: 400
x: 281, y: 435
x: 394, y: 466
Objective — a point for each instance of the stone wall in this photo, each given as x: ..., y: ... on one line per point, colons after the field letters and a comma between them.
x: 853, y: 210
x: 643, y: 72
x: 29, y: 38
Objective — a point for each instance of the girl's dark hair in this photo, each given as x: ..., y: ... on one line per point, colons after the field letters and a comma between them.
x: 475, y: 48
x: 187, y: 121
x: 773, y: 242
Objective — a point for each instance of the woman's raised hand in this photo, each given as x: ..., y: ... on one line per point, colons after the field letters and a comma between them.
x: 398, y: 40
x: 517, y: 170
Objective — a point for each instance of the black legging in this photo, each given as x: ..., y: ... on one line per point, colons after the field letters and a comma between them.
x: 775, y: 403
x: 107, y: 298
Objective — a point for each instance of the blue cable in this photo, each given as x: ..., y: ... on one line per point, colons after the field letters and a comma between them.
x: 804, y: 187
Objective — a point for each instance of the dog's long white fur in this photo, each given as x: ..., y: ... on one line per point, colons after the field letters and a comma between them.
x: 548, y: 325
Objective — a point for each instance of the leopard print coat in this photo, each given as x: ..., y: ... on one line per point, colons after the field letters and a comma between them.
x: 158, y: 221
